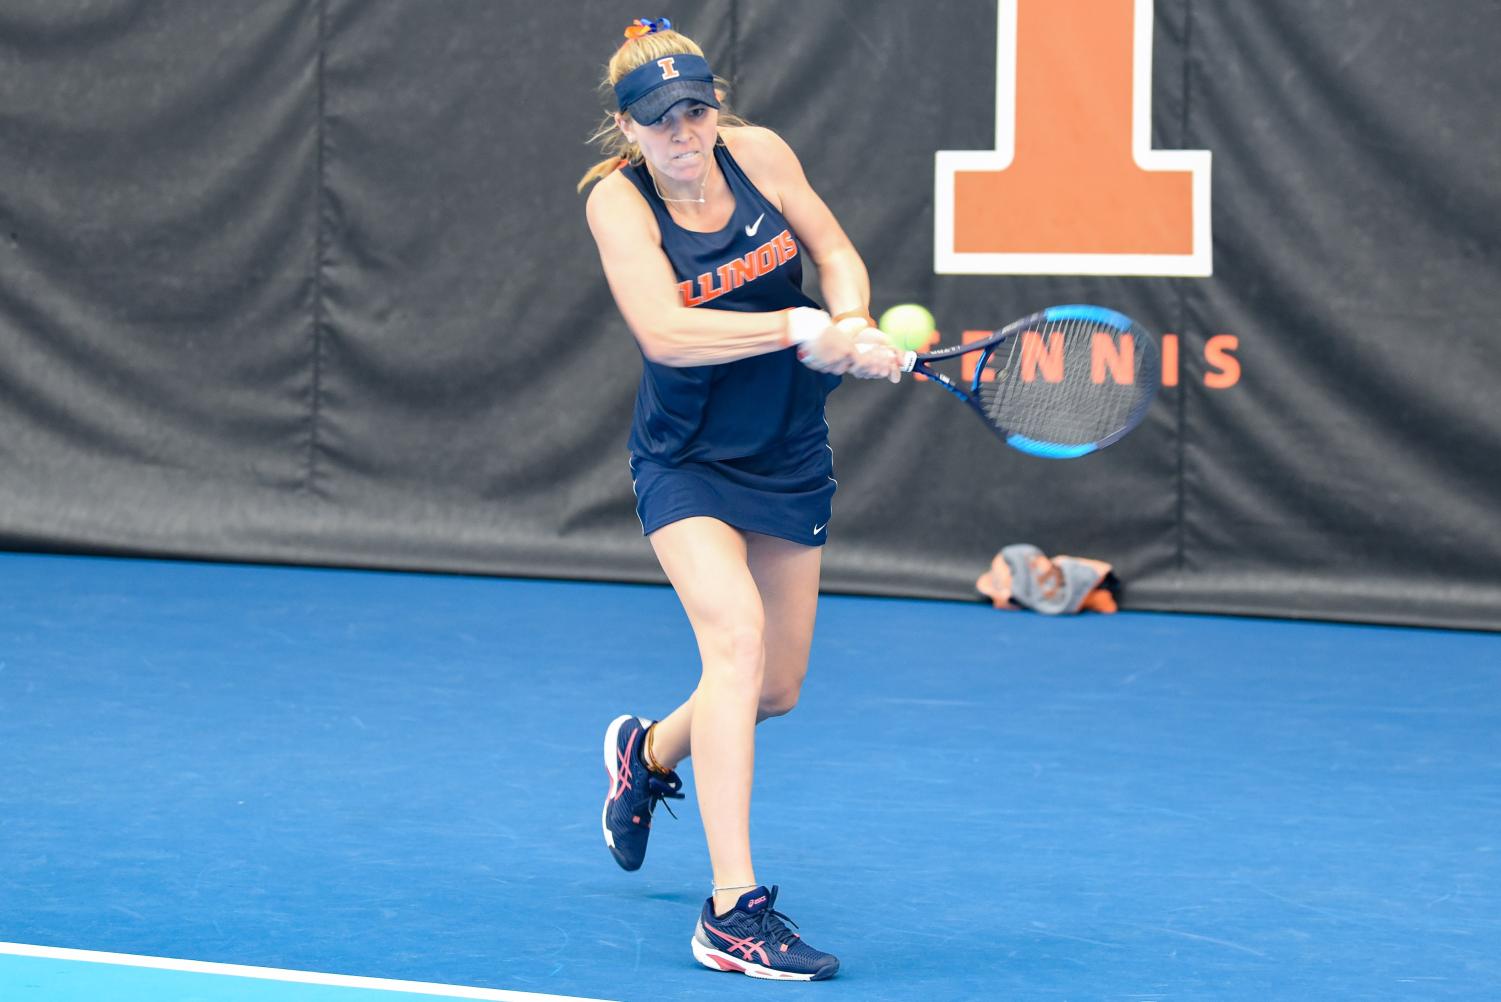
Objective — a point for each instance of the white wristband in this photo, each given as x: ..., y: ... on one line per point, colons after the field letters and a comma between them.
x: 804, y: 323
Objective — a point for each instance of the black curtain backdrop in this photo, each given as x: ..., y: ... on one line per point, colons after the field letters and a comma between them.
x: 308, y: 282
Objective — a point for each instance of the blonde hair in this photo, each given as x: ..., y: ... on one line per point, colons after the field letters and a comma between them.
x: 634, y: 53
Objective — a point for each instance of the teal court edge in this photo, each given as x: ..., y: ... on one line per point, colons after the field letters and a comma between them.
x: 58, y: 975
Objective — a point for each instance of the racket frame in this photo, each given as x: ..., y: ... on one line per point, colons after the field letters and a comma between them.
x: 916, y: 362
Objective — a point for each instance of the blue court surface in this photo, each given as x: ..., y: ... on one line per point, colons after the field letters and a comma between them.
x: 356, y: 786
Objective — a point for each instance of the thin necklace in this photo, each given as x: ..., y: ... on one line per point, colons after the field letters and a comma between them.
x: 702, y: 187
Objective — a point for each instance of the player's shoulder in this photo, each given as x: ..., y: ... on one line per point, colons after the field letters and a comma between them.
x: 758, y: 145
x: 614, y: 189
x: 613, y: 197
x: 766, y: 159
x: 616, y: 211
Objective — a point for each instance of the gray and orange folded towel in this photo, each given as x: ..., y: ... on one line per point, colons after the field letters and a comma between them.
x: 1021, y: 576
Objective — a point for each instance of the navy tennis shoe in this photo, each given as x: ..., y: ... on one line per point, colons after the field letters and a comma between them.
x: 634, y: 793
x: 752, y: 938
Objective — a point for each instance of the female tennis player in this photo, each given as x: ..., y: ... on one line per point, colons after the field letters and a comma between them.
x: 702, y: 223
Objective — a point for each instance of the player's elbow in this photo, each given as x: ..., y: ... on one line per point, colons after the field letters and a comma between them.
x: 660, y: 349
x: 664, y: 344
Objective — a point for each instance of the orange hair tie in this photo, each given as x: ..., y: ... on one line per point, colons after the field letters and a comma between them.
x: 647, y: 26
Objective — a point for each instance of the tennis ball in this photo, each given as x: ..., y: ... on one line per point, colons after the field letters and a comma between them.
x: 909, y: 326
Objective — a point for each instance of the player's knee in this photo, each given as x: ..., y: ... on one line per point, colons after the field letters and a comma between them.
x: 779, y: 700
x: 738, y: 653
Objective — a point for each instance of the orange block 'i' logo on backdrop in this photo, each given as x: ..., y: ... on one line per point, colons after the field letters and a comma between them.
x: 1073, y: 186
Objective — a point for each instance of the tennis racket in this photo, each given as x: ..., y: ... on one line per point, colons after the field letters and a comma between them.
x: 1058, y: 384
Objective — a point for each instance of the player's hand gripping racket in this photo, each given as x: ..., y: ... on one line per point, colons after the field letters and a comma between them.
x: 1058, y: 384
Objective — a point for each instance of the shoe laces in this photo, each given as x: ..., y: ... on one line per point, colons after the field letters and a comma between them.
x: 659, y: 791
x: 771, y: 923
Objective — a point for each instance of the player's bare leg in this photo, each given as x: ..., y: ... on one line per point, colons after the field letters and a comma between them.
x: 786, y: 576
x: 708, y: 564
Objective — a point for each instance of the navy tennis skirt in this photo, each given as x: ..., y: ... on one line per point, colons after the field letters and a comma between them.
x: 761, y: 494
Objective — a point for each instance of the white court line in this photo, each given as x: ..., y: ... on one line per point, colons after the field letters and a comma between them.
x: 276, y: 974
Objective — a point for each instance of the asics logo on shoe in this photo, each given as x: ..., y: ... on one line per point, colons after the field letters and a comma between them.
x: 746, y: 947
x: 750, y: 230
x: 623, y: 772
x: 758, y: 901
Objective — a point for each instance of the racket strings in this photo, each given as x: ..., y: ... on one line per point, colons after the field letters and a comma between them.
x: 1070, y: 382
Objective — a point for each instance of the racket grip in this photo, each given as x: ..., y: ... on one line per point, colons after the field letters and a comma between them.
x: 909, y: 361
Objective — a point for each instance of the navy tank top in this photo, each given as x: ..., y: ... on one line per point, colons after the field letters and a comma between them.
x: 763, y: 406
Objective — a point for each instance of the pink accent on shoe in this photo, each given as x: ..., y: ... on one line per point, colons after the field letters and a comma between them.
x: 726, y: 965
x: 623, y: 771
x: 746, y: 946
